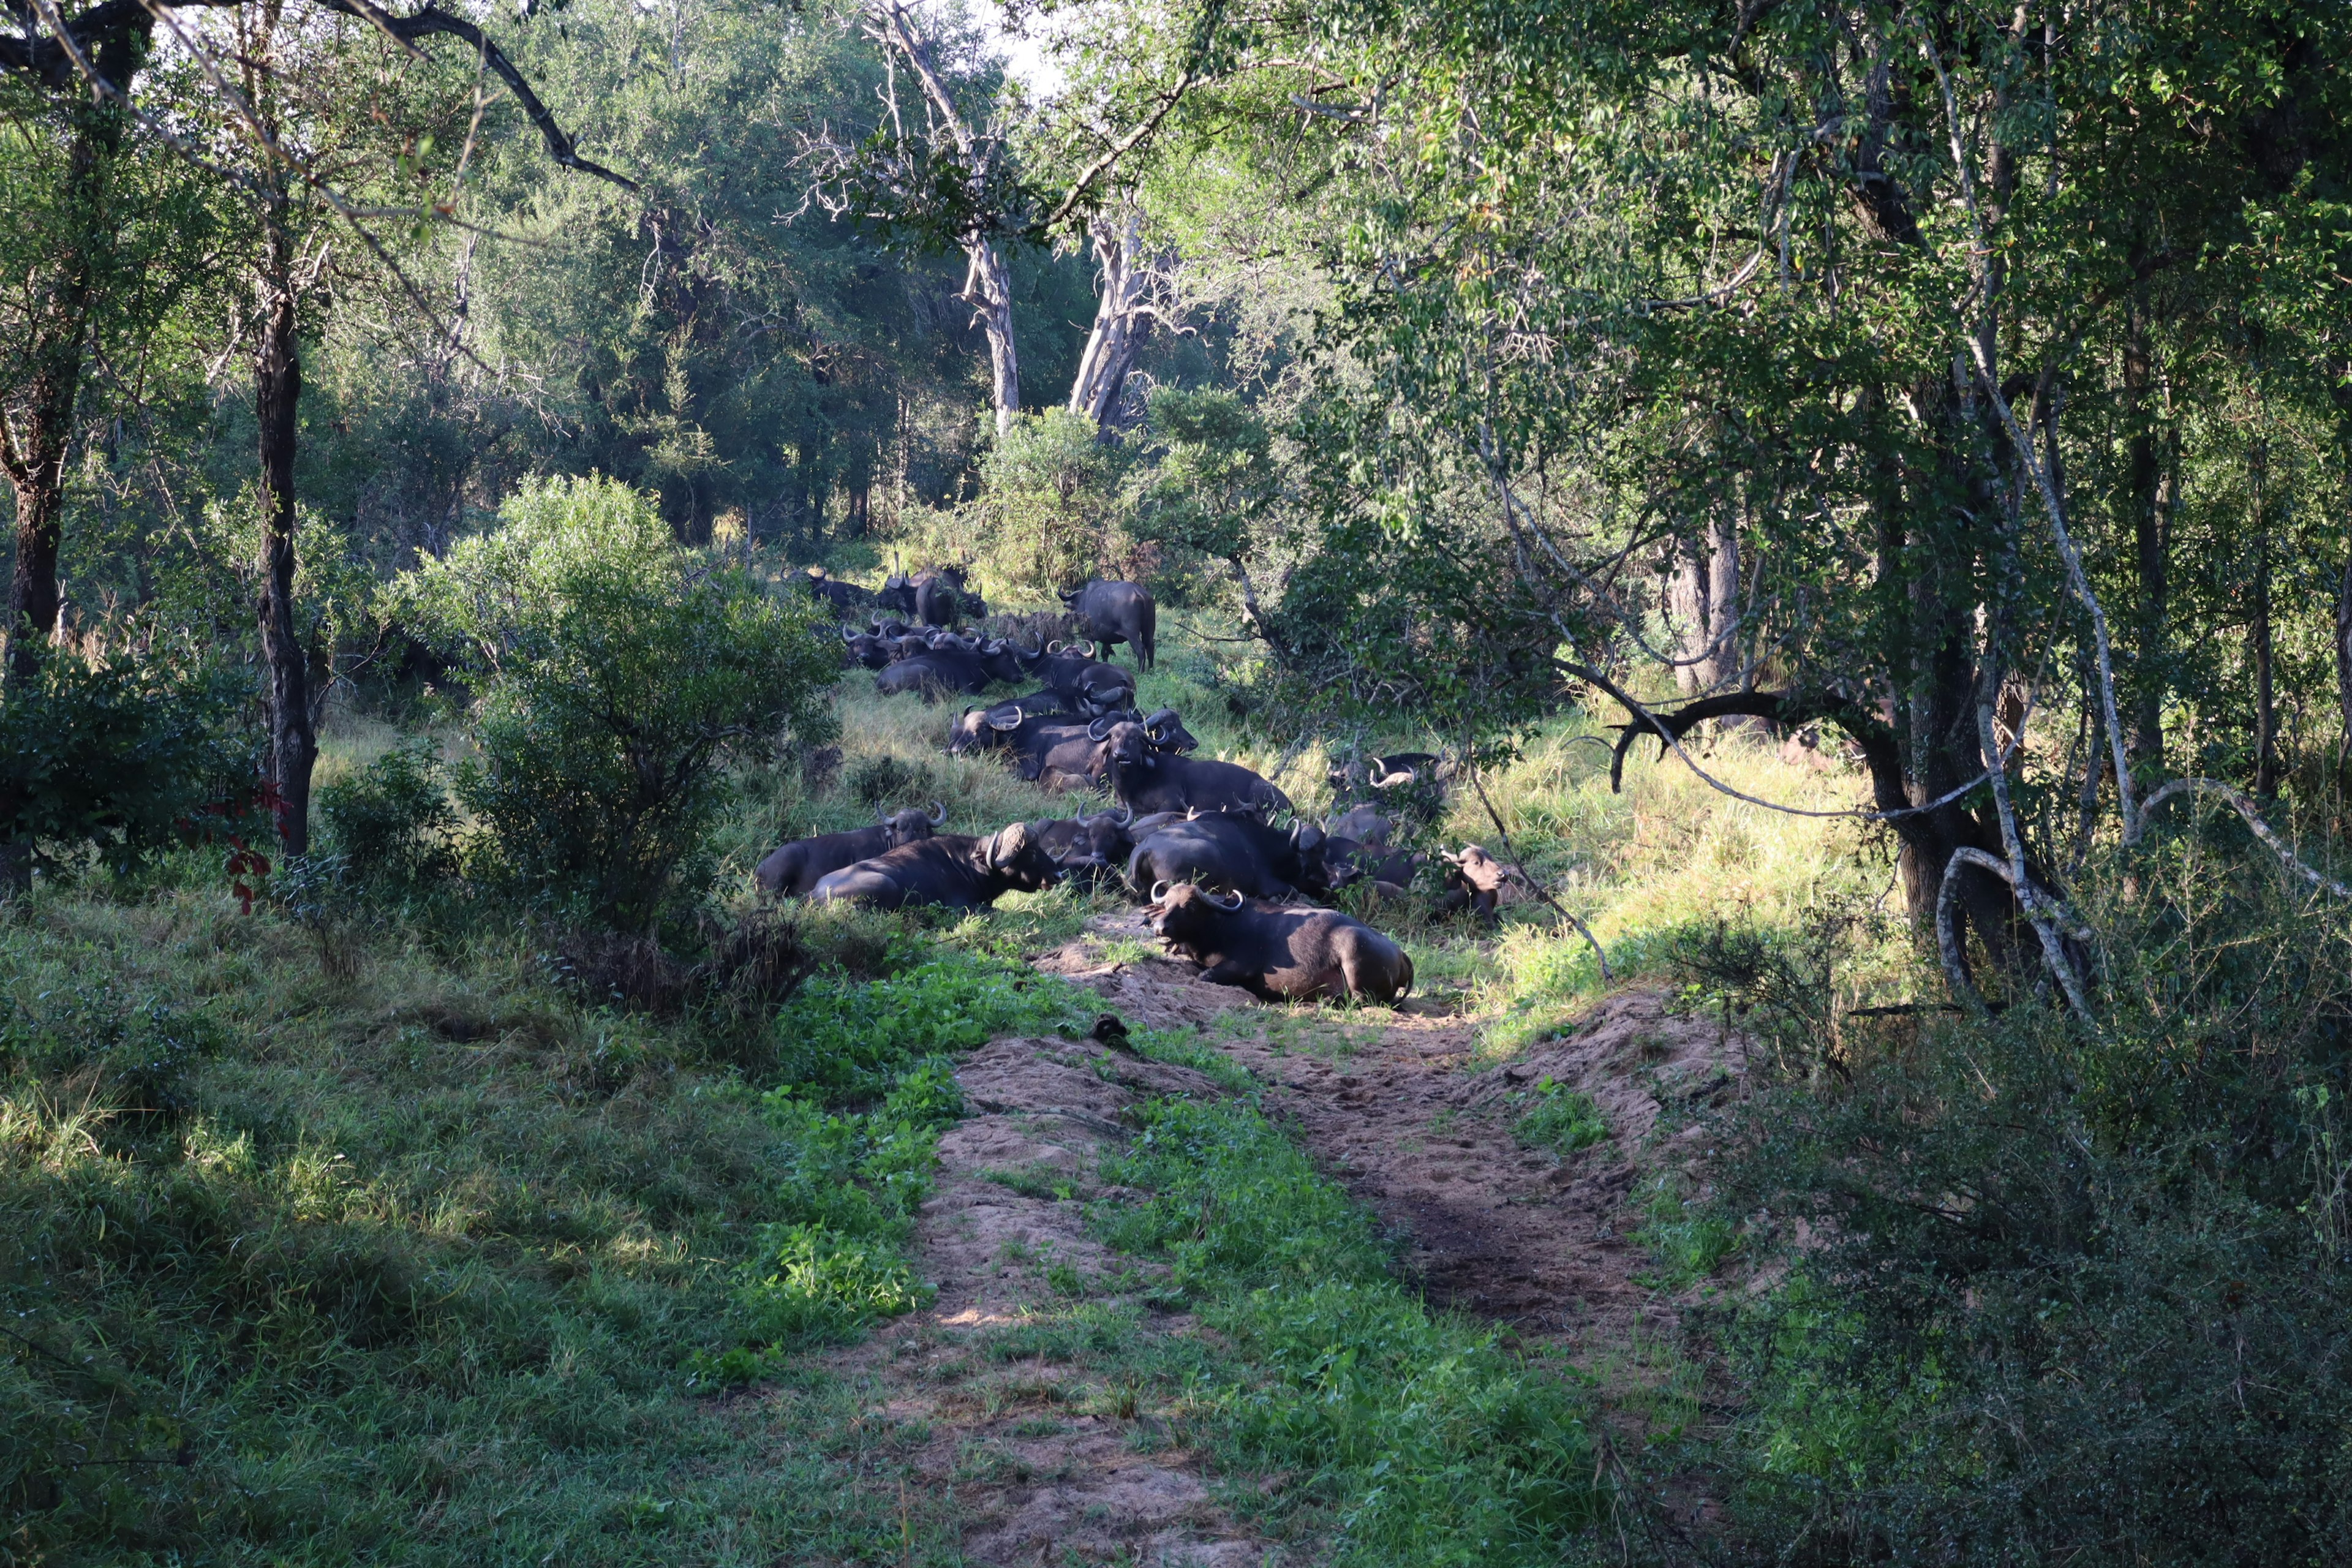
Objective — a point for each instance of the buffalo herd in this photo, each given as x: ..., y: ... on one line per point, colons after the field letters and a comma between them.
x: 1204, y: 842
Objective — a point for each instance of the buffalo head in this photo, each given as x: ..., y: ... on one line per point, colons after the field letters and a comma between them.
x: 1167, y: 731
x: 910, y: 826
x: 1020, y: 857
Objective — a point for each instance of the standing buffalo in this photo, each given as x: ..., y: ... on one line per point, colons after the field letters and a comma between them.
x: 934, y: 596
x: 1227, y: 849
x: 1146, y: 778
x: 1280, y: 955
x: 1116, y: 613
x: 797, y: 868
x: 953, y: 870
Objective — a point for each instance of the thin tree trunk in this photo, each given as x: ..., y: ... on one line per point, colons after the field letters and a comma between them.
x: 37, y: 432
x: 988, y: 290
x: 2265, y: 693
x: 278, y: 392
x: 2143, y: 490
x: 2344, y: 650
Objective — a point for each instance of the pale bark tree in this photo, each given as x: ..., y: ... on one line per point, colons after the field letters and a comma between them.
x: 1132, y: 295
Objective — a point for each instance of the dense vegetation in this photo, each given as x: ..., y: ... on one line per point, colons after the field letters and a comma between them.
x: 440, y: 409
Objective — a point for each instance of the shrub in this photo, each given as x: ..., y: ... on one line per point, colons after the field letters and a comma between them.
x: 1052, y: 511
x: 392, y: 824
x: 624, y: 673
x: 119, y: 756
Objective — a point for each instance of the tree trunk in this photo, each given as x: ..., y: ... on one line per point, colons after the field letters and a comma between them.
x: 1704, y: 597
x: 36, y: 430
x: 2143, y: 496
x: 1121, y: 319
x: 988, y: 290
x: 2265, y: 692
x: 2344, y: 650
x: 278, y: 392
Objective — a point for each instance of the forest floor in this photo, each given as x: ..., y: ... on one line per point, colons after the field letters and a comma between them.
x: 1040, y: 1402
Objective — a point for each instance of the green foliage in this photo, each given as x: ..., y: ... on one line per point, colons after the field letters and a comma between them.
x: 1426, y: 1441
x: 624, y: 673
x: 1561, y: 1120
x: 851, y: 1040
x: 1052, y: 512
x: 120, y: 755
x: 393, y: 823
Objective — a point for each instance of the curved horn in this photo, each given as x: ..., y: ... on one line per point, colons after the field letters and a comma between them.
x: 1005, y: 727
x: 1126, y: 814
x: 846, y: 635
x: 939, y: 813
x: 1159, y: 889
x: 880, y: 814
x: 1053, y: 647
x: 1228, y: 907
x: 1100, y: 727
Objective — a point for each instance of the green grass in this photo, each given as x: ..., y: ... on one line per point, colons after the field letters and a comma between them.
x: 1559, y: 1119
x: 1411, y: 1437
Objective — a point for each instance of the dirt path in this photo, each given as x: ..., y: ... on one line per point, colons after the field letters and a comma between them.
x: 1034, y: 1400
x: 1387, y: 1102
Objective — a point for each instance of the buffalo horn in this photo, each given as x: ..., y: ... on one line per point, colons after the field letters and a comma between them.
x: 880, y: 814
x: 1159, y: 889
x: 939, y: 813
x: 1126, y: 814
x: 1003, y: 726
x: 846, y: 635
x: 1051, y: 648
x: 1227, y: 907
x: 1101, y: 727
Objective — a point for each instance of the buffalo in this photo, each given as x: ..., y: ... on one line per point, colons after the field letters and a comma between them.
x: 935, y: 670
x: 793, y: 870
x: 1477, y: 880
x: 1114, y: 613
x: 1278, y: 955
x: 950, y: 869
x: 866, y: 649
x: 1146, y: 779
x: 1063, y: 755
x: 832, y: 591
x: 999, y: 726
x: 1389, y: 871
x: 1365, y: 824
x: 1082, y: 678
x: 934, y: 596
x: 1089, y: 847
x: 1221, y: 849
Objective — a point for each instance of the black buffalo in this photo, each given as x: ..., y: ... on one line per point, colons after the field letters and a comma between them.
x: 830, y: 590
x: 1114, y: 613
x: 936, y: 670
x: 793, y: 869
x: 1228, y: 849
x: 1083, y: 679
x: 951, y: 870
x: 1389, y: 871
x: 935, y: 597
x: 999, y: 726
x: 1063, y: 755
x: 1167, y: 732
x: 1145, y: 778
x: 1088, y: 847
x: 1280, y: 955
x: 1397, y: 770
x: 1365, y: 824
x: 866, y: 649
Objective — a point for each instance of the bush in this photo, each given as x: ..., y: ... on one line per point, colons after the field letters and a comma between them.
x: 1052, y: 511
x: 119, y: 756
x: 624, y: 672
x: 392, y: 824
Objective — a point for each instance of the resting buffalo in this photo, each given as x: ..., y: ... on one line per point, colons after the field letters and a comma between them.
x: 866, y: 649
x: 1477, y: 880
x: 1281, y: 955
x: 1114, y: 613
x: 1089, y: 847
x: 1398, y: 770
x: 1085, y: 680
x: 1167, y: 732
x: 1221, y: 849
x: 1389, y: 871
x: 796, y: 867
x: 1364, y: 825
x: 935, y: 597
x: 1063, y: 755
x: 960, y: 872
x: 998, y: 726
x: 936, y: 670
x: 842, y: 596
x: 1146, y: 778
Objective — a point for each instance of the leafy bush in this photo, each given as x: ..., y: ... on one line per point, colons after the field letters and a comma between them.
x: 392, y: 824
x: 1052, y: 511
x: 121, y: 755
x: 623, y: 673
x: 1561, y: 1120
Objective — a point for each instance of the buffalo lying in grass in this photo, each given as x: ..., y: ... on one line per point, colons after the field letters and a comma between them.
x: 795, y: 868
x: 1232, y: 850
x: 1279, y: 954
x: 950, y: 869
